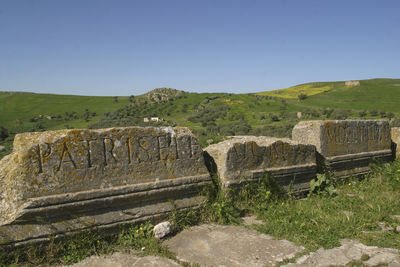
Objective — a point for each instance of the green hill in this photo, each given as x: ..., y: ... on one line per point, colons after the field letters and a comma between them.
x: 211, y: 116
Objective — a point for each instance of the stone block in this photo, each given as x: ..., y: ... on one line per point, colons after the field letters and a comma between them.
x: 346, y: 147
x: 247, y: 158
x: 395, y: 131
x: 61, y: 182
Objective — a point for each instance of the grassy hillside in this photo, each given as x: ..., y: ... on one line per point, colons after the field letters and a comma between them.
x: 211, y: 116
x: 294, y: 91
x: 16, y: 109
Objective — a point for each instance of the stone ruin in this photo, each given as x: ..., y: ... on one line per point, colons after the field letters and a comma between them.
x: 57, y: 183
x: 248, y: 158
x: 65, y: 181
x: 346, y: 148
x: 396, y: 140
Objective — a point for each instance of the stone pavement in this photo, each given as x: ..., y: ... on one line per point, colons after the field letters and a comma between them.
x: 124, y: 260
x: 228, y: 245
x: 350, y: 251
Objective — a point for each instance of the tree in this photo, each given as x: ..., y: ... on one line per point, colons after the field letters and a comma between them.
x: 302, y: 96
x: 115, y: 99
x: 132, y: 99
x: 362, y: 113
x: 274, y: 117
x: 389, y: 115
x: 3, y: 133
x: 373, y: 112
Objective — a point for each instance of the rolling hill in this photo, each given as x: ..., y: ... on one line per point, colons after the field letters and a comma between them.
x: 210, y: 115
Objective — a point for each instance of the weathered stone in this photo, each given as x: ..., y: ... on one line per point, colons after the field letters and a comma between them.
x: 347, y: 147
x: 396, y: 140
x: 123, y: 260
x: 162, y: 229
x: 251, y: 220
x: 247, y: 158
x: 64, y: 181
x: 349, y: 251
x: 217, y: 245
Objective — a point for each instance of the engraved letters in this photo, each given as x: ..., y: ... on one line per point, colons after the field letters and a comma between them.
x: 111, y: 152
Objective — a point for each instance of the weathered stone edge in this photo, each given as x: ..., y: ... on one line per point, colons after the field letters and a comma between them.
x: 114, y: 191
x: 108, y: 228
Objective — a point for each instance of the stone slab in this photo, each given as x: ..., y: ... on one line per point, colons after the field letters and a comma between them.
x: 119, y: 259
x: 346, y: 147
x: 217, y: 245
x: 247, y: 158
x: 60, y: 182
x: 350, y: 250
x: 395, y: 131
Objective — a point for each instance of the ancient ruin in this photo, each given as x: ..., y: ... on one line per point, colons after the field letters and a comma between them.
x: 248, y: 158
x: 69, y: 180
x: 62, y: 182
x: 396, y: 140
x: 347, y: 147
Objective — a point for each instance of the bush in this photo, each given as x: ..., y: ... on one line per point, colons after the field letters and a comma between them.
x: 302, y: 96
x: 373, y: 112
x: 340, y: 114
x: 3, y: 133
x: 274, y: 117
x: 362, y: 113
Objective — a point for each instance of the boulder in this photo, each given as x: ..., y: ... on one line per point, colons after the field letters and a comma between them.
x: 59, y: 182
x: 162, y: 229
x: 346, y: 147
x: 247, y: 158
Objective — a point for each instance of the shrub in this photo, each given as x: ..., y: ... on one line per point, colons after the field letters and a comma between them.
x: 3, y: 133
x: 373, y: 112
x: 302, y: 96
x: 274, y: 117
x: 362, y: 113
x: 340, y: 114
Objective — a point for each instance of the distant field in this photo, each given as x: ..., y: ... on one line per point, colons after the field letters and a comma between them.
x: 16, y: 107
x: 294, y: 91
x: 209, y: 115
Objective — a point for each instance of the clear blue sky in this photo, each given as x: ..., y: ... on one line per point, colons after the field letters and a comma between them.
x: 114, y: 47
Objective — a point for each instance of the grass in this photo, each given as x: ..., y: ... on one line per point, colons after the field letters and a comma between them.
x: 294, y: 91
x: 74, y: 249
x: 320, y: 220
x: 271, y: 113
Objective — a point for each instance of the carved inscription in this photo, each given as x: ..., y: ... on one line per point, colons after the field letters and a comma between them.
x: 277, y: 154
x: 111, y: 152
x: 349, y: 134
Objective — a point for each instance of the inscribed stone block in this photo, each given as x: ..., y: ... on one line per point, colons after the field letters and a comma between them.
x: 58, y: 182
x: 247, y: 158
x: 347, y: 147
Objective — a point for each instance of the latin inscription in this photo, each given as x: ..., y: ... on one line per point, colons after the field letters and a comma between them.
x: 348, y: 134
x: 114, y: 153
x: 275, y: 155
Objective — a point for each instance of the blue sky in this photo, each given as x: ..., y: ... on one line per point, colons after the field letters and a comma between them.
x: 98, y: 47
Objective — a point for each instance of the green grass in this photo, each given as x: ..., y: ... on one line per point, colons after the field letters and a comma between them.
x: 314, y: 222
x: 321, y: 221
x: 17, y: 108
x: 74, y: 249
x: 267, y: 113
x: 294, y: 91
